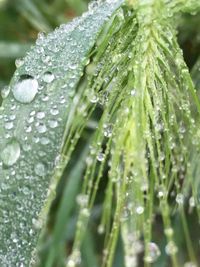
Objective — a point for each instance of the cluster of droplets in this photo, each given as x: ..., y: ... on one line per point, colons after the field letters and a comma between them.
x: 153, y: 252
x: 133, y: 248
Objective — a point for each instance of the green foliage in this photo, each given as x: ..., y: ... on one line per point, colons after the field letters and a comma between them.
x: 105, y: 113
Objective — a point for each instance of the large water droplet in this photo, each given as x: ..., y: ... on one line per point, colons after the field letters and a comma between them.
x: 10, y: 154
x: 26, y: 89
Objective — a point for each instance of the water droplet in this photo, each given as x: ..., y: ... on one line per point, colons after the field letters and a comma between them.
x: 12, y: 117
x: 139, y: 210
x: 100, y: 157
x: 5, y: 92
x: 192, y: 202
x: 93, y: 98
x: 180, y: 199
x: 133, y: 92
x: 19, y: 62
x: 40, y: 169
x: 107, y: 130
x: 40, y: 115
x: 30, y: 120
x: 101, y: 229
x: 11, y: 153
x: 169, y: 232
x: 153, y: 252
x: 74, y: 259
x: 92, y: 5
x: 54, y: 111
x: 28, y: 129
x: 45, y: 98
x: 41, y: 128
x: 48, y: 77
x: 44, y: 141
x: 9, y: 125
x: 82, y: 200
x: 89, y: 160
x: 171, y: 248
x: 25, y: 89
x: 53, y: 124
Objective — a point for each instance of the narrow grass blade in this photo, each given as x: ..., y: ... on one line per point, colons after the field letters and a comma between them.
x: 13, y: 50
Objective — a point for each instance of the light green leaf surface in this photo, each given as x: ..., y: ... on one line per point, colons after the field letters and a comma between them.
x: 32, y: 125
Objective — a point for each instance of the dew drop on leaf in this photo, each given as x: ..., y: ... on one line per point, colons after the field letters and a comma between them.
x: 180, y: 199
x: 107, y: 130
x: 54, y: 111
x: 93, y: 98
x: 100, y: 157
x: 11, y: 153
x: 19, y: 62
x: 139, y: 210
x: 48, y: 77
x: 100, y: 229
x: 82, y: 200
x: 171, y: 248
x: 40, y: 169
x: 25, y: 89
x: 133, y: 92
x: 153, y: 252
x: 44, y: 141
x: 94, y: 4
x: 192, y: 202
x: 41, y: 128
x: 9, y: 125
x: 53, y: 124
x: 5, y: 92
x: 169, y: 232
x: 40, y: 115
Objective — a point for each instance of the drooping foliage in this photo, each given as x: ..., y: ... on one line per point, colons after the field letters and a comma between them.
x: 121, y: 64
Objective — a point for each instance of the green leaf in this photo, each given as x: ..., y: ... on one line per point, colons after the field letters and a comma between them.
x: 32, y: 14
x: 33, y: 125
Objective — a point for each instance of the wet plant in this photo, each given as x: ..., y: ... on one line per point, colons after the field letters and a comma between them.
x: 106, y: 101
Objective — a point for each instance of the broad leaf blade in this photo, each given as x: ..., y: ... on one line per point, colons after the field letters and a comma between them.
x: 33, y: 120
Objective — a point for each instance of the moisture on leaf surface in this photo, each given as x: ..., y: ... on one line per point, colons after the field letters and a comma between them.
x: 102, y: 111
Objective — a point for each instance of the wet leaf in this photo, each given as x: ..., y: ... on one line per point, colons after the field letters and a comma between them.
x: 33, y: 120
